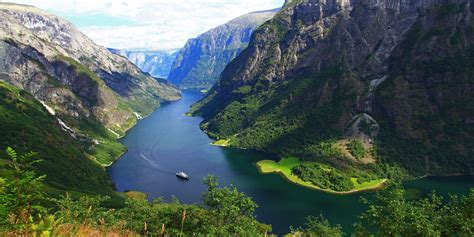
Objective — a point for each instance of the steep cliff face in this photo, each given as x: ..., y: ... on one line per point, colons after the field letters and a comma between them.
x: 200, y: 62
x: 49, y: 57
x: 394, y: 74
x: 94, y: 95
x: 67, y: 98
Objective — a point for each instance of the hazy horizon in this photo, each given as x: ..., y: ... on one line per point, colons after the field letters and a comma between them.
x: 141, y: 24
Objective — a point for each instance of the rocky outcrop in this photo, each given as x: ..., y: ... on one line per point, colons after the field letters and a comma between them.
x: 49, y: 57
x: 400, y: 70
x: 200, y: 62
x: 155, y: 62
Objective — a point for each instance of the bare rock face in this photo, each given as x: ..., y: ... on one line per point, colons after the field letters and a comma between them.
x: 201, y: 61
x: 49, y: 57
x: 400, y: 70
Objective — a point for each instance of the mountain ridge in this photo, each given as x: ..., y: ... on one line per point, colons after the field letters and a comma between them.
x: 200, y: 62
x: 91, y: 95
x: 320, y: 72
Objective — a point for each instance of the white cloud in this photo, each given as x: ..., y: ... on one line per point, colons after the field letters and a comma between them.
x: 161, y: 24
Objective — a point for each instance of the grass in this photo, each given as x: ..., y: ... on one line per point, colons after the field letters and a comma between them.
x: 370, y: 185
x: 222, y: 142
x: 285, y: 166
x: 136, y: 195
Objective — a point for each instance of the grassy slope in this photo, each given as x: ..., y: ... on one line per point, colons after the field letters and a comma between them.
x: 286, y: 165
x: 223, y: 143
x: 27, y: 126
x: 108, y: 149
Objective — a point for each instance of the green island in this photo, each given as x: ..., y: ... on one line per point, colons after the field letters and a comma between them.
x: 285, y: 168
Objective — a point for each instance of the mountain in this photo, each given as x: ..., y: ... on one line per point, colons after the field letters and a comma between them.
x: 94, y: 95
x: 28, y: 126
x: 201, y: 61
x: 49, y: 46
x: 155, y: 62
x: 325, y: 79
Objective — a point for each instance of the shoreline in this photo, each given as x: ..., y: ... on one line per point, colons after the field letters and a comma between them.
x: 105, y: 166
x: 379, y: 186
x: 225, y: 143
x: 162, y: 103
x: 441, y: 176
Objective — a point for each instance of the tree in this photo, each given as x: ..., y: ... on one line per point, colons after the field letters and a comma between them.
x: 227, y: 202
x: 458, y: 216
x: 390, y: 214
x: 20, y: 194
x: 234, y: 211
x: 5, y: 199
x: 319, y: 226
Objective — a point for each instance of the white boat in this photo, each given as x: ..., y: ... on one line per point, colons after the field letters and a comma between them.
x: 182, y: 175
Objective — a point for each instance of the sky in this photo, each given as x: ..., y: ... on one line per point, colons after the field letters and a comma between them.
x: 148, y: 24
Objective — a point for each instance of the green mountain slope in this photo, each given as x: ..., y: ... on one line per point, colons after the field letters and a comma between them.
x: 392, y: 76
x: 26, y: 126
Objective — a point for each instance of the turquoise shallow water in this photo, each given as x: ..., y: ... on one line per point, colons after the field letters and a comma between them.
x: 167, y: 142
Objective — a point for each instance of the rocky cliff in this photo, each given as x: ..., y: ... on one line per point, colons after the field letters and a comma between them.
x: 155, y: 62
x: 67, y: 98
x: 396, y: 75
x: 49, y: 57
x: 200, y: 62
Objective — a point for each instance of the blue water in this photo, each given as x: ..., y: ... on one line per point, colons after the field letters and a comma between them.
x: 167, y: 142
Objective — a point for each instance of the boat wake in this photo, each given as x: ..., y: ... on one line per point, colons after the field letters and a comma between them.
x: 154, y: 164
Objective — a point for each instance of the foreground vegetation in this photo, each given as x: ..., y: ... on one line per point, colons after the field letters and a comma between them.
x: 392, y: 214
x: 24, y: 210
x: 317, y: 176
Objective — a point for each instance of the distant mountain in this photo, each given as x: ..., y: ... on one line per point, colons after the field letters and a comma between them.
x: 201, y: 61
x: 91, y: 95
x: 155, y: 62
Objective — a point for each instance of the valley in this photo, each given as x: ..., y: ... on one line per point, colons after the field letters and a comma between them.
x: 319, y: 118
x: 168, y: 142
